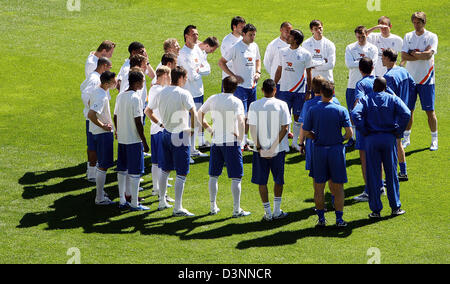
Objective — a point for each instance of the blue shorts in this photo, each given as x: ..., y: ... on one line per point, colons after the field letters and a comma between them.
x: 350, y: 98
x: 295, y: 101
x: 308, y: 153
x: 174, y: 152
x: 198, y: 102
x: 359, y: 143
x: 89, y: 139
x: 247, y: 96
x: 130, y: 158
x: 104, y: 145
x: 155, y: 143
x: 262, y: 167
x: 426, y: 94
x: 329, y: 163
x: 231, y: 156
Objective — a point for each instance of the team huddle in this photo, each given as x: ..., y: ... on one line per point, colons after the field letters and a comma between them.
x: 298, y: 103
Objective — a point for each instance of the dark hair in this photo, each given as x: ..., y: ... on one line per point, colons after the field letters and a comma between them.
x: 268, y: 86
x: 317, y: 83
x: 298, y: 36
x: 236, y: 21
x: 107, y: 76
x: 379, y: 84
x: 249, y: 28
x: 285, y: 24
x: 391, y: 54
x: 212, y: 41
x: 229, y: 84
x: 315, y: 23
x: 168, y: 57
x: 177, y: 73
x: 135, y: 45
x: 136, y: 60
x: 187, y: 30
x: 361, y: 30
x: 102, y: 61
x: 106, y: 45
x: 135, y: 77
x: 366, y: 65
x: 327, y: 89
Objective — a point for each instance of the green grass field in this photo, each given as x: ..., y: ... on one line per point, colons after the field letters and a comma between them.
x: 47, y: 206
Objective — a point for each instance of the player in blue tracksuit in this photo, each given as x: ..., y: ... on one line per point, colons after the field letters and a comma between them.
x: 381, y: 117
x: 404, y: 86
x: 323, y: 124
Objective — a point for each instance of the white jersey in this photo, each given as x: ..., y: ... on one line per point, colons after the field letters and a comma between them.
x: 91, y: 64
x: 92, y: 82
x: 268, y: 115
x: 382, y: 43
x: 100, y: 104
x: 227, y: 43
x: 244, y: 59
x: 225, y: 109
x: 154, y: 79
x: 353, y: 53
x: 421, y: 70
x: 173, y: 104
x: 294, y: 63
x: 128, y: 107
x: 271, y: 55
x: 321, y: 50
x: 192, y: 59
x: 152, y: 94
x: 124, y: 83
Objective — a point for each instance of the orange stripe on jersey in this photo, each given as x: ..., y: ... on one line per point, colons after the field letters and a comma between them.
x: 295, y: 87
x: 426, y: 77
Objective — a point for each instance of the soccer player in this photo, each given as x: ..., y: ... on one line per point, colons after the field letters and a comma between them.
x: 93, y: 81
x: 322, y: 50
x: 403, y: 85
x: 175, y: 104
x: 237, y: 24
x: 294, y: 71
x: 132, y: 142
x: 100, y: 125
x: 419, y: 48
x: 172, y: 46
x: 272, y: 50
x: 383, y: 40
x: 246, y: 68
x: 105, y: 49
x: 323, y: 124
x: 381, y: 117
x: 228, y: 126
x: 353, y: 53
x: 269, y: 120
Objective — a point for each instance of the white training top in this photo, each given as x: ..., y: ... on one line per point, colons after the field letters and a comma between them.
x: 321, y: 50
x: 421, y: 70
x: 271, y: 55
x: 154, y: 79
x: 92, y: 82
x: 225, y: 109
x: 100, y: 104
x: 152, y: 94
x: 123, y: 75
x: 91, y: 64
x: 353, y: 53
x: 227, y: 43
x: 128, y: 107
x: 244, y: 59
x: 191, y: 59
x: 268, y: 115
x: 293, y: 63
x: 173, y: 104
x: 382, y: 43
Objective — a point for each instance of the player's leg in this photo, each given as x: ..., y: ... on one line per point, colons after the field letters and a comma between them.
x: 277, y: 169
x: 389, y: 159
x: 373, y: 173
x: 180, y: 157
x: 251, y: 97
x: 216, y: 162
x: 165, y: 163
x: 235, y: 167
x: 350, y: 100
x: 122, y: 174
x: 320, y: 175
x: 427, y: 98
x: 338, y: 173
x: 135, y: 152
x: 403, y: 174
x: 297, y: 105
x: 91, y: 154
x: 105, y: 152
x: 260, y: 176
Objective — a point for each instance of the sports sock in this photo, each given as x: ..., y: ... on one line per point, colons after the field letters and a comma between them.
x: 321, y: 214
x: 267, y: 208
x: 100, y: 185
x: 122, y: 184
x: 245, y: 139
x: 92, y: 171
x: 128, y: 187
x: 134, y: 184
x: 434, y: 136
x: 406, y: 134
x: 339, y: 215
x: 201, y: 138
x: 213, y: 188
x: 277, y: 206
x: 155, y: 177
x: 162, y: 183
x: 179, y: 188
x: 236, y: 191
x: 403, y: 168
x: 296, y: 132
x: 354, y: 132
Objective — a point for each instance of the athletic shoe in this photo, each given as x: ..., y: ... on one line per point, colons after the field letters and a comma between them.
x: 363, y: 197
x: 402, y: 177
x: 197, y: 153
x: 321, y: 223
x: 170, y: 178
x: 290, y: 135
x: 267, y: 217
x: 141, y: 180
x: 240, y: 213
x: 124, y: 206
x: 182, y: 213
x: 205, y: 145
x: 139, y: 208
x: 406, y: 143
x: 398, y: 212
x: 374, y: 215
x: 128, y: 198
x: 282, y: 215
x: 350, y: 143
x: 191, y: 161
x: 94, y: 180
x: 141, y: 189
x: 295, y: 146
x: 164, y: 207
x: 250, y: 142
x: 341, y: 223
x: 105, y: 201
x: 434, y: 145
x: 214, y: 211
x: 169, y: 199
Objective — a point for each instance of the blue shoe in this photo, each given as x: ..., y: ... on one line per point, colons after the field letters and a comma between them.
x: 124, y: 206
x: 139, y: 208
x: 282, y: 215
x: 374, y: 215
x: 341, y: 223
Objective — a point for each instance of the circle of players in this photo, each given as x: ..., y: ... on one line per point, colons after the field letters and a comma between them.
x: 380, y: 97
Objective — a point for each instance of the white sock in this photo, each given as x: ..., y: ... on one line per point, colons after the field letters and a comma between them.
x: 155, y: 177
x: 267, y: 208
x: 406, y: 134
x: 122, y: 184
x: 179, y: 188
x: 277, y: 206
x: 193, y: 138
x: 245, y: 139
x: 128, y: 187
x: 236, y: 191
x: 201, y: 138
x: 296, y: 132
x: 100, y: 185
x: 162, y: 184
x: 434, y: 136
x: 213, y: 188
x: 134, y: 184
x: 92, y: 172
x: 354, y: 132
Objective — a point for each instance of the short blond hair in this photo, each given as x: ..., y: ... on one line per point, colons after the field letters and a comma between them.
x: 168, y: 43
x: 162, y: 70
x: 419, y: 15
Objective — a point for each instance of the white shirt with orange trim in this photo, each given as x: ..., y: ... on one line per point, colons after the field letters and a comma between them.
x: 293, y: 73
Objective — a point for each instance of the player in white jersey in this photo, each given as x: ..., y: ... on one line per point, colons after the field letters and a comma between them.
x: 322, y: 50
x: 105, y: 49
x: 353, y: 54
x: 294, y: 72
x: 170, y: 45
x: 93, y: 81
x: 237, y: 24
x: 419, y: 48
x: 383, y: 40
x: 272, y: 50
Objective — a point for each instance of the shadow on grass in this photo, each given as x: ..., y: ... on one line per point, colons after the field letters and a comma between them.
x: 409, y: 153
